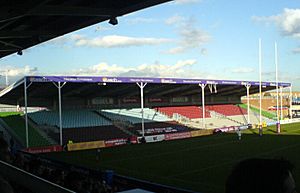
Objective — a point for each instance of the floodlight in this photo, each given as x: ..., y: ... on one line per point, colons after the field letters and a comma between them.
x: 20, y: 52
x: 113, y: 21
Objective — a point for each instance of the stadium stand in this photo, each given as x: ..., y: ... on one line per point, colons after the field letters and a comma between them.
x: 71, y: 118
x: 191, y: 112
x: 217, y: 115
x: 91, y: 125
x: 115, y: 116
x: 92, y: 134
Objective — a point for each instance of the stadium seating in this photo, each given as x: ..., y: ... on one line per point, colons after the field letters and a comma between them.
x: 119, y: 117
x: 227, y: 110
x: 93, y: 134
x: 70, y: 118
x: 191, y: 112
x: 134, y: 115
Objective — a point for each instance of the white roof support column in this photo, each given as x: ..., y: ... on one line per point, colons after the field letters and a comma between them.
x: 248, y: 103
x: 277, y: 95
x: 59, y: 86
x: 26, y: 105
x: 281, y: 111
x: 291, y: 102
x: 260, y: 79
x: 203, y: 104
x: 142, y: 85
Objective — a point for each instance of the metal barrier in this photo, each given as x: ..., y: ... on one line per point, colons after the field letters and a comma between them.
x: 137, y: 183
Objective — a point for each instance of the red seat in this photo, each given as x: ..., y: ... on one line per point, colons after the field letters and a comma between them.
x: 191, y: 112
x: 227, y: 110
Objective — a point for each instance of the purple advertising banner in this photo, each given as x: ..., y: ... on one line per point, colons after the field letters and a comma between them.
x: 106, y: 79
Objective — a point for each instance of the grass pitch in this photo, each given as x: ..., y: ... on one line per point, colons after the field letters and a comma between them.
x: 200, y: 164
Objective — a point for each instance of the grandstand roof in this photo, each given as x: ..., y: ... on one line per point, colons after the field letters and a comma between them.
x: 27, y: 23
x: 102, y: 86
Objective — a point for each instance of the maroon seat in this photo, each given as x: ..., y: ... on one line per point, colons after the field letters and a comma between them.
x: 191, y: 112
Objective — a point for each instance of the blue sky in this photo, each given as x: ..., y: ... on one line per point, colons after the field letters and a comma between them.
x: 185, y: 38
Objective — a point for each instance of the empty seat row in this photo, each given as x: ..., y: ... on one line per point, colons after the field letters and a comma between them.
x: 227, y: 110
x: 70, y: 118
x: 135, y: 115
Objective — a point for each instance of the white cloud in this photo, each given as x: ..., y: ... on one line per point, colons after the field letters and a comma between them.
x: 76, y: 37
x: 100, y: 69
x: 190, y: 35
x: 176, y: 19
x: 117, y: 41
x: 266, y: 19
x: 180, y: 2
x: 242, y: 70
x: 269, y: 74
x: 203, y: 51
x: 288, y: 21
x: 181, y: 69
x: 109, y: 41
x: 175, y: 50
x: 140, y: 20
x: 18, y: 71
x: 59, y: 41
x: 101, y: 28
x: 14, y: 73
x: 193, y: 37
x: 296, y: 50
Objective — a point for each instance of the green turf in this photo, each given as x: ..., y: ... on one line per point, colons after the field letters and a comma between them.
x: 201, y: 164
x: 264, y: 113
x: 15, y: 121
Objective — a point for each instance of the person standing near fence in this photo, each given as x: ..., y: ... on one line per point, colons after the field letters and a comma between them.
x: 98, y: 152
x: 239, y: 133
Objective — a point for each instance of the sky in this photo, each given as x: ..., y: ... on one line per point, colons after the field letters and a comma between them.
x: 214, y: 39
